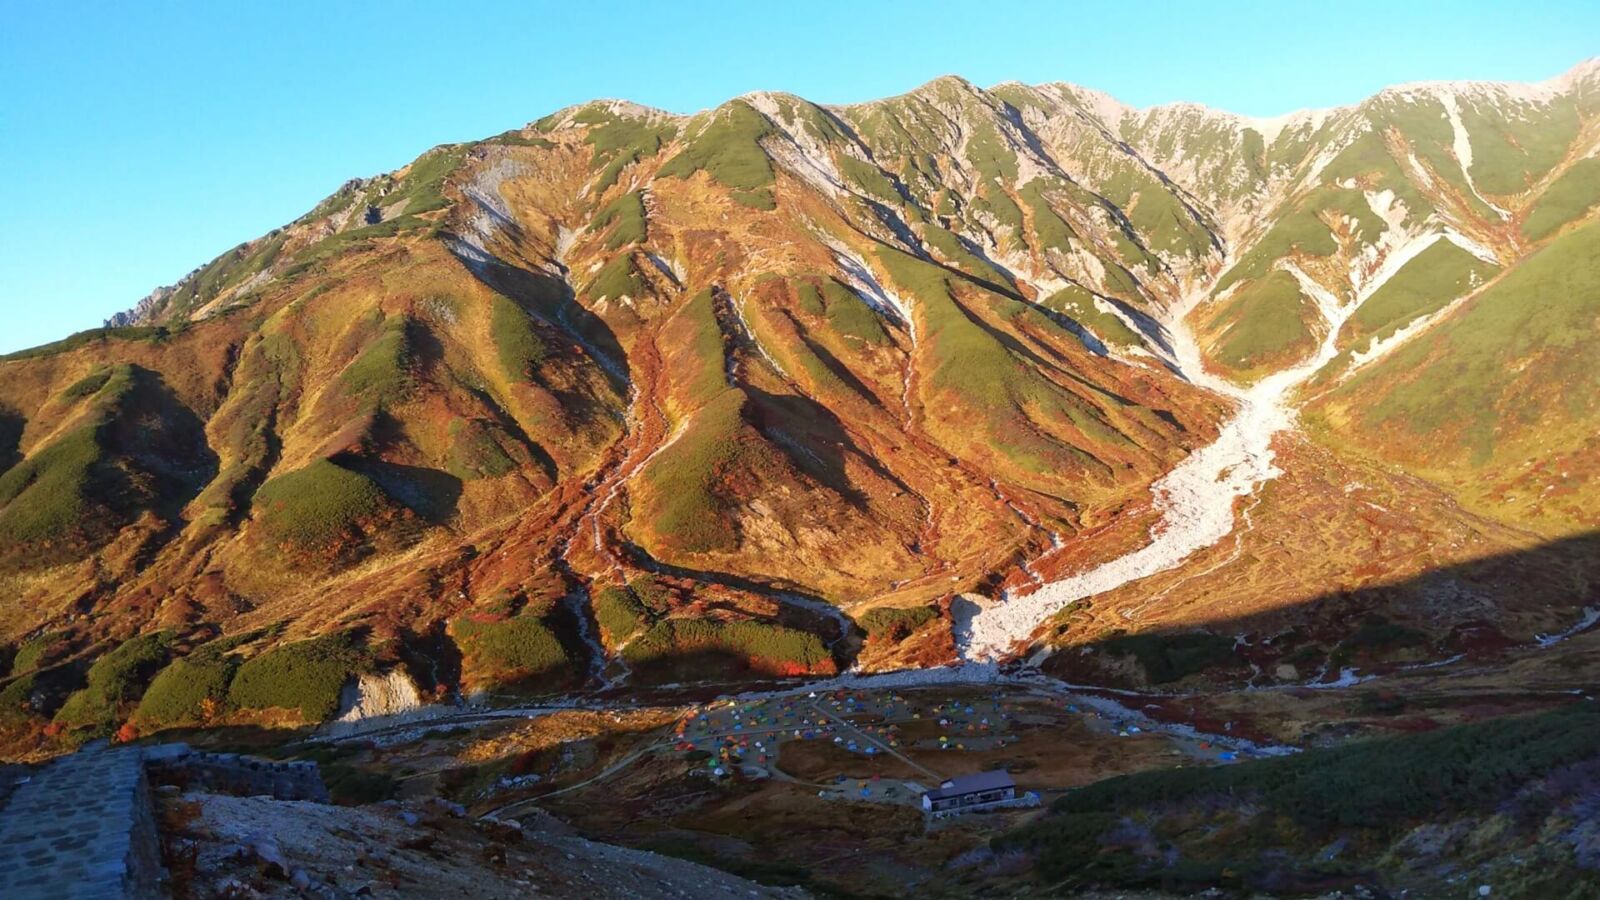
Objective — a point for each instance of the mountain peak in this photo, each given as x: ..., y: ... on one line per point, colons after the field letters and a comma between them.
x: 1536, y: 91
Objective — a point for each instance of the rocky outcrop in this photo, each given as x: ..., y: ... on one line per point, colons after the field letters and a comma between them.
x: 145, y: 312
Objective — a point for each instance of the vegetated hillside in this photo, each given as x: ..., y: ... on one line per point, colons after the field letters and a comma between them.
x: 1502, y: 398
x: 1507, y: 802
x: 727, y: 370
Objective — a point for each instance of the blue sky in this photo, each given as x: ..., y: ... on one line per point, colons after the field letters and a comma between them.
x: 140, y: 140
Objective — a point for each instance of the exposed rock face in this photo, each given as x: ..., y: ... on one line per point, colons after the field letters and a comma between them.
x: 145, y: 312
x: 371, y: 696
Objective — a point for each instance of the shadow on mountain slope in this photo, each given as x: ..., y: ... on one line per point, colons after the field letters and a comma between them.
x: 1476, y: 609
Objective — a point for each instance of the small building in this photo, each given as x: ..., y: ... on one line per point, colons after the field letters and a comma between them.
x: 970, y: 792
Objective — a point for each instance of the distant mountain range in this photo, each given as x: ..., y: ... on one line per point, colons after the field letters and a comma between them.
x: 623, y: 396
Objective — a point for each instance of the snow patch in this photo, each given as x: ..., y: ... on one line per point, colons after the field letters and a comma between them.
x: 1379, y: 347
x: 749, y: 336
x: 670, y: 269
x: 886, y: 303
x: 1463, y: 148
x: 1591, y: 616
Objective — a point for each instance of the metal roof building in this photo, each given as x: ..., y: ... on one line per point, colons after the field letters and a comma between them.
x: 965, y: 792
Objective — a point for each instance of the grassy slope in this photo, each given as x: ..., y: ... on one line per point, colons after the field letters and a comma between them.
x: 1262, y: 326
x: 1502, y: 391
x: 305, y: 676
x: 1512, y: 353
x: 1567, y: 199
x: 317, y: 506
x: 1435, y: 277
x: 974, y: 378
x: 729, y: 150
x: 1244, y: 825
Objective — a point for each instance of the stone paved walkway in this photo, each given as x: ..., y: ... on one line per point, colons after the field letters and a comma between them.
x: 81, y: 828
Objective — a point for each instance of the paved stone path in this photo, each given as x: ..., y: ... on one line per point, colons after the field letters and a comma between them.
x: 81, y: 828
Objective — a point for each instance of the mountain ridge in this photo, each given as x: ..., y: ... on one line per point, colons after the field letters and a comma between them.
x: 626, y: 398
x: 1102, y: 102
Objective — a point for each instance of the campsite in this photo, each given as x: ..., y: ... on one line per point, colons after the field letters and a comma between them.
x: 809, y: 786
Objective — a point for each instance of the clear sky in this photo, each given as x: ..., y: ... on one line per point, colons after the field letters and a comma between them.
x: 139, y: 140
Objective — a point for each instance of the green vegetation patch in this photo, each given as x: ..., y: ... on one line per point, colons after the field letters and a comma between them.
x: 1567, y: 199
x: 1511, y: 152
x: 516, y: 344
x: 1167, y: 658
x: 869, y: 178
x: 895, y: 623
x: 777, y: 645
x: 989, y: 153
x: 379, y: 375
x: 1081, y: 307
x: 729, y: 150
x: 69, y: 491
x: 476, y: 451
x: 1305, y: 229
x: 701, y: 361
x: 1518, y: 349
x: 1052, y: 231
x: 610, y: 133
x: 1262, y: 322
x: 186, y: 692
x: 87, y: 386
x: 151, y: 333
x: 762, y: 200
x: 224, y: 272
x: 316, y: 506
x: 1425, y: 285
x: 617, y: 279
x: 507, y: 650
x: 684, y: 477
x: 307, y: 676
x: 627, y: 214
x: 993, y: 200
x: 422, y: 187
x: 17, y: 700
x: 1382, y: 786
x: 951, y: 248
x: 619, y: 612
x: 515, y: 138
x: 36, y: 651
x: 620, y: 141
x: 1011, y: 408
x: 114, y: 680
x: 846, y: 313
x: 45, y: 496
x: 1157, y: 213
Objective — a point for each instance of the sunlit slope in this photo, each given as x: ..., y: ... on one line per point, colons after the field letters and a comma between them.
x: 626, y: 391
x: 1500, y: 398
x: 720, y: 369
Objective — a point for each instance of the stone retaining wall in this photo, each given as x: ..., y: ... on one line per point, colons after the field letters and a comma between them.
x: 83, y: 827
x: 231, y: 773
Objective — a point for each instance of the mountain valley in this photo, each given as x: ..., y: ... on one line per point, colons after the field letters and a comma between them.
x: 1017, y: 393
